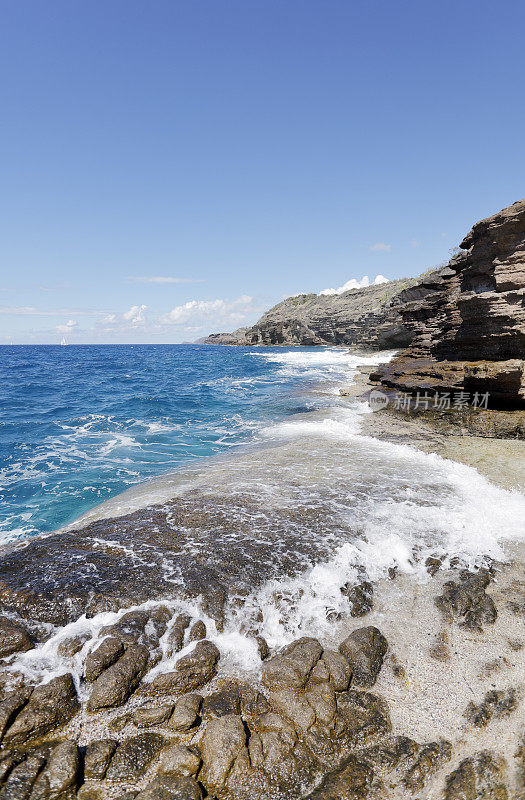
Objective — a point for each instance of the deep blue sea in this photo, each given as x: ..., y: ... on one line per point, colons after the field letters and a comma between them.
x: 79, y: 424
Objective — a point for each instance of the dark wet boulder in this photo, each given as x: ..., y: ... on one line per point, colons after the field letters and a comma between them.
x: 430, y: 758
x: 496, y: 703
x: 97, y: 758
x: 191, y: 671
x: 102, y: 657
x: 176, y: 634
x: 186, y: 712
x: 481, y: 777
x: 179, y: 760
x: 467, y: 600
x: 50, y: 706
x: 262, y: 647
x: 22, y: 778
x: 129, y: 628
x: 115, y: 684
x: 160, y: 618
x: 364, y: 650
x: 170, y: 787
x: 71, y: 646
x: 292, y: 666
x: 353, y: 782
x: 360, y: 597
x: 197, y: 631
x: 225, y: 701
x: 133, y: 757
x: 13, y: 638
x: 59, y: 779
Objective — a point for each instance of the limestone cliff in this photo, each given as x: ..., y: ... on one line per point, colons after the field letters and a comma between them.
x: 367, y: 318
x: 468, y: 319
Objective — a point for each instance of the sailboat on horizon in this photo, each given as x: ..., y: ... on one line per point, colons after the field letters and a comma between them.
x: 63, y: 342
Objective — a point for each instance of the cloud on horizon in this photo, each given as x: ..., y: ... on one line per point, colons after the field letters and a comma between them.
x: 380, y: 246
x: 355, y: 284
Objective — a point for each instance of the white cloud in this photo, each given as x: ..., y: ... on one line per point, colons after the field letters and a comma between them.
x: 161, y: 279
x: 414, y: 243
x: 67, y: 327
x: 135, y: 316
x: 199, y: 311
x: 444, y: 235
x: 381, y: 246
x: 354, y: 284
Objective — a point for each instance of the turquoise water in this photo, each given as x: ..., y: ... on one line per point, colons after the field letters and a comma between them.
x: 79, y: 424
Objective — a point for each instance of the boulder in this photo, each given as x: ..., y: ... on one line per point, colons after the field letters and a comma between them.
x: 145, y: 716
x: 339, y: 670
x: 59, y: 779
x: 186, y: 712
x: 223, y: 742
x: 351, y: 783
x: 13, y: 638
x: 97, y: 758
x: 22, y: 778
x: 50, y: 706
x: 103, y: 657
x: 10, y: 706
x: 176, y: 634
x: 360, y: 598
x: 467, y: 600
x: 179, y: 760
x: 197, y: 631
x: 291, y: 667
x: 364, y: 650
x: 225, y: 701
x: 115, y: 684
x: 481, y: 777
x: 191, y: 671
x: 428, y: 761
x: 133, y: 757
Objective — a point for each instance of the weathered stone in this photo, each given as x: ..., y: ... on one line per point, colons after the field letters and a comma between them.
x: 129, y: 628
x: 191, y: 671
x: 262, y: 647
x: 478, y: 778
x: 466, y: 599
x: 360, y: 598
x: 321, y: 697
x: 97, y: 758
x: 70, y: 647
x: 496, y: 703
x: 50, y: 706
x: 428, y: 761
x: 361, y: 715
x: 170, y: 787
x: 22, y: 779
x: 364, y: 650
x: 351, y: 783
x: 197, y: 631
x: 293, y: 704
x: 59, y: 779
x: 115, y: 684
x: 291, y: 667
x: 133, y: 756
x: 253, y: 703
x: 223, y: 741
x: 186, y: 712
x: 10, y: 706
x: 103, y: 657
x: 146, y: 716
x: 176, y: 634
x: 339, y: 669
x: 225, y: 701
x: 179, y: 760
x: 13, y: 638
x: 160, y: 618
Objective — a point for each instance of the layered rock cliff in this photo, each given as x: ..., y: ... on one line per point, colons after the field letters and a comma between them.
x: 467, y: 320
x: 367, y: 318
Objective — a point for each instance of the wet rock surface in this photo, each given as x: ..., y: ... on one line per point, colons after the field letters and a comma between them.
x: 467, y: 600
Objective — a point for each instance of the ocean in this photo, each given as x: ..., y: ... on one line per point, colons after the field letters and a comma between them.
x: 236, y: 468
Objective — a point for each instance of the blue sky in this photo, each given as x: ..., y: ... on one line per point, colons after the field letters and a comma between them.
x: 171, y: 168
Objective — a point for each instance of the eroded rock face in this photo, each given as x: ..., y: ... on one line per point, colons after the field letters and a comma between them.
x: 115, y: 684
x: 468, y: 318
x: 191, y: 671
x: 367, y: 317
x: 467, y: 600
x: 481, y: 777
x: 13, y: 638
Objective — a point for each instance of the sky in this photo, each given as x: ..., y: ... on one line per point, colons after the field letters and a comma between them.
x: 172, y: 168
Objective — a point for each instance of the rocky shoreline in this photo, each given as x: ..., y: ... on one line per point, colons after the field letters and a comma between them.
x: 420, y: 696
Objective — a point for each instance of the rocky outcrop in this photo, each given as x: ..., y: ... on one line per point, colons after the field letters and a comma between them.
x: 367, y: 318
x: 467, y: 319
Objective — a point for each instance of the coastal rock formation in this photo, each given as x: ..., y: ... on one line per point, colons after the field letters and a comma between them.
x: 468, y: 319
x: 367, y: 317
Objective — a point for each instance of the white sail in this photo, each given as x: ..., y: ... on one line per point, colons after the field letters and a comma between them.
x: 63, y: 342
